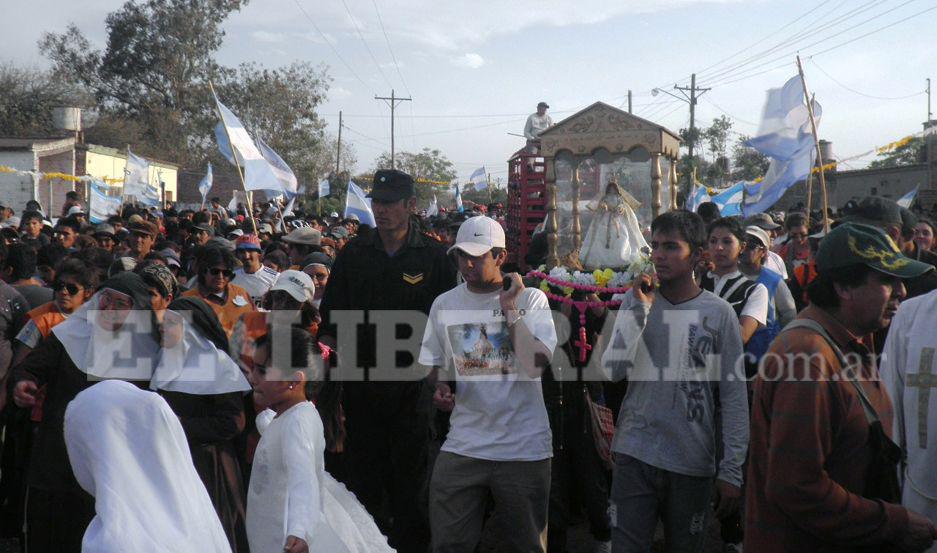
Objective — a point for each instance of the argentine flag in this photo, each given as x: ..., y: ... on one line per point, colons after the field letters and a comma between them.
x: 479, y: 178
x: 906, y: 200
x: 259, y: 174
x: 324, y: 188
x: 699, y: 196
x: 100, y: 205
x: 356, y: 203
x: 785, y: 136
x: 729, y: 201
x: 204, y: 185
x: 458, y: 199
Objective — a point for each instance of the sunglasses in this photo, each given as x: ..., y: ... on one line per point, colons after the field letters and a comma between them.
x: 215, y: 272
x: 69, y: 287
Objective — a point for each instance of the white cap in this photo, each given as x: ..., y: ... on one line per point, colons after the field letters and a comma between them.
x: 74, y: 209
x: 333, y: 214
x: 759, y: 233
x: 478, y: 235
x: 236, y: 232
x: 297, y: 283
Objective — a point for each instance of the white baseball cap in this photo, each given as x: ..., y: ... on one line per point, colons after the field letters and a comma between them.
x: 297, y: 284
x: 478, y: 235
x: 759, y: 233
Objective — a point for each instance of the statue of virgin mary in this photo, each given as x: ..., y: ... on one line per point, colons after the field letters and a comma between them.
x: 614, y: 237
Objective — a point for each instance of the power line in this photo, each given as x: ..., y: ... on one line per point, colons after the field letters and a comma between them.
x: 767, y: 37
x: 354, y: 24
x: 862, y: 93
x: 913, y: 15
x: 329, y: 42
x: 788, y: 54
x: 788, y: 41
x: 380, y: 21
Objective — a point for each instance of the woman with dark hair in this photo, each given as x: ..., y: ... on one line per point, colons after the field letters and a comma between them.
x: 108, y: 337
x: 749, y: 299
x: 924, y: 233
x: 205, y: 389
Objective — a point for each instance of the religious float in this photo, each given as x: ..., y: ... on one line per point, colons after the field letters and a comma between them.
x: 602, y: 170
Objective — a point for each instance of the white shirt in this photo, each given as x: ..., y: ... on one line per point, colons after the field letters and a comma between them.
x: 257, y: 284
x: 756, y: 306
x: 774, y: 262
x: 909, y: 352
x: 499, y: 412
x: 536, y: 124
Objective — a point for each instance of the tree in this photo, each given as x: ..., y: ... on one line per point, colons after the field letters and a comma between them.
x: 151, y: 83
x: 155, y: 68
x: 909, y: 153
x: 429, y: 164
x: 747, y: 163
x: 27, y: 97
x: 717, y: 137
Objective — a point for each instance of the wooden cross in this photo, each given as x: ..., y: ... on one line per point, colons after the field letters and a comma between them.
x: 925, y: 380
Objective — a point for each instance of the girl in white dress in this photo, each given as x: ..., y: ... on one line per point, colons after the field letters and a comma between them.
x: 293, y: 505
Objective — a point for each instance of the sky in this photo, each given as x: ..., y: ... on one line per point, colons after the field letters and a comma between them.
x: 476, y: 69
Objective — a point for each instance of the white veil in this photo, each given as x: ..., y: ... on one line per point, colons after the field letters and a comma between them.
x: 128, y: 450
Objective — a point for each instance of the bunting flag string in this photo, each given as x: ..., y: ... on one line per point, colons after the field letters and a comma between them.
x: 60, y: 176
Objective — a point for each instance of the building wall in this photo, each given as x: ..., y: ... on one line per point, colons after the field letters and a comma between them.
x: 51, y: 192
x: 16, y: 190
x: 105, y: 165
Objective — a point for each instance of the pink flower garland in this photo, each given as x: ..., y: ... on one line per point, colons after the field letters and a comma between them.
x: 576, y: 286
x: 580, y: 306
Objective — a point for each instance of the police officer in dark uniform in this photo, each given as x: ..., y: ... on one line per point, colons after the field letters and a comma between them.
x: 394, y: 268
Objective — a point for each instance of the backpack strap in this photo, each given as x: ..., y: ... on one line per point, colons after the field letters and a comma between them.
x: 870, y: 414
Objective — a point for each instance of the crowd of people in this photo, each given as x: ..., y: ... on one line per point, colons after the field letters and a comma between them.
x: 206, y: 380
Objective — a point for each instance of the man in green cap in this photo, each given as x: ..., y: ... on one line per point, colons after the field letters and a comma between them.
x: 815, y: 469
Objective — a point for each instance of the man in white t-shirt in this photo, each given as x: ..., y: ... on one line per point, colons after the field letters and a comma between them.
x: 493, y: 343
x: 253, y: 275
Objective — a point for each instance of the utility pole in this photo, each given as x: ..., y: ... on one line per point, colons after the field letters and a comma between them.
x: 695, y: 93
x: 629, y: 101
x: 392, y: 102
x: 338, y: 150
x: 691, y: 98
x: 929, y: 114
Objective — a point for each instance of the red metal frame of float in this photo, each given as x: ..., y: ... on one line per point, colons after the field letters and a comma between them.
x: 527, y: 202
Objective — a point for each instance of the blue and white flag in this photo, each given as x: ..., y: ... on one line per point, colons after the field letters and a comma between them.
x: 479, y: 178
x: 356, y: 203
x: 224, y: 147
x: 280, y: 169
x: 137, y: 181
x: 458, y: 199
x: 325, y: 188
x: 699, y: 196
x: 100, y: 204
x: 204, y: 185
x: 786, y: 137
x: 258, y: 172
x: 908, y: 199
x: 433, y: 209
x: 729, y: 201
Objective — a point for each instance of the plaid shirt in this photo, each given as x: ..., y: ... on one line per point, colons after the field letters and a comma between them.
x: 809, y: 450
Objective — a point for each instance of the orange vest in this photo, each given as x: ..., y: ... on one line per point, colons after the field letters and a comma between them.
x: 46, y: 316
x: 229, y: 312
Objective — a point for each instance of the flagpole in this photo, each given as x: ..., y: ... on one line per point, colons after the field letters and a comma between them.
x: 489, y: 188
x: 816, y: 141
x: 809, y: 183
x: 233, y: 156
